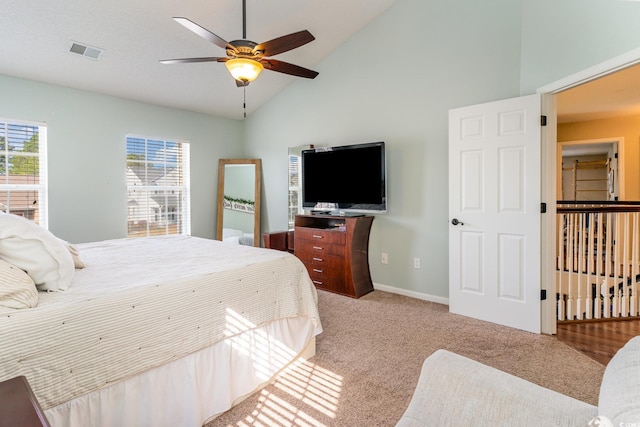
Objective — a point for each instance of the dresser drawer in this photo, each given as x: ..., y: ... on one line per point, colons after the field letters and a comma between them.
x: 323, y: 269
x: 321, y: 261
x: 320, y: 235
x: 326, y: 278
x: 320, y: 250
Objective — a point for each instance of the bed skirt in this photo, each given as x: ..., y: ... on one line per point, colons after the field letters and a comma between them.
x: 196, y: 388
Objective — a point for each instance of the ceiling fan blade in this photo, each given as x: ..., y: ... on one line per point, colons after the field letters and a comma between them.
x: 191, y: 60
x: 285, y: 43
x: 203, y: 32
x: 286, y: 68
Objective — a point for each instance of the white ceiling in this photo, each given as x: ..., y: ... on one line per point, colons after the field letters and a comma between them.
x: 36, y: 36
x: 617, y: 94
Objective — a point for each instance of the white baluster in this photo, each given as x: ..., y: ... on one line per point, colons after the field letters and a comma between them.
x: 635, y: 266
x: 590, y: 265
x: 597, y: 308
x: 561, y: 311
x: 571, y: 237
x: 624, y: 300
x: 600, y: 250
x: 582, y: 231
x: 615, y: 304
x: 606, y: 303
x: 617, y: 258
x: 562, y: 229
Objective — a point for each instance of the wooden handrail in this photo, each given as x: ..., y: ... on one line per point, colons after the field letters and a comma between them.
x: 597, y: 206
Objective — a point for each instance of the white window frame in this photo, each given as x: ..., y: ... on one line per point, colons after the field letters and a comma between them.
x: 295, y: 191
x: 184, y: 227
x: 42, y: 187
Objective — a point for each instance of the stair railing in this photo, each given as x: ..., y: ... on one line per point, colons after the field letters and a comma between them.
x: 598, y: 260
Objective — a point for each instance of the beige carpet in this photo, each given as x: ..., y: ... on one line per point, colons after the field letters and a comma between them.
x: 369, y: 357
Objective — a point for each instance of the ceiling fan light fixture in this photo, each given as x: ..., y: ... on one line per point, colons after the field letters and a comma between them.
x: 244, y: 69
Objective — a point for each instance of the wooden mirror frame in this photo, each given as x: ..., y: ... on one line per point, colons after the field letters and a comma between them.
x: 257, y: 191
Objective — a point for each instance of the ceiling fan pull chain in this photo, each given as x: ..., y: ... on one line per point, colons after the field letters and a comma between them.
x: 244, y: 100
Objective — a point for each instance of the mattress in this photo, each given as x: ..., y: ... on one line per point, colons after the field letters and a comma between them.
x: 145, y: 302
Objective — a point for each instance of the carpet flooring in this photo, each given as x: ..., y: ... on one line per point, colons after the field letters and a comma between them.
x: 370, y: 354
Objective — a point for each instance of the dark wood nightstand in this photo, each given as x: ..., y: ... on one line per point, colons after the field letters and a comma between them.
x: 19, y: 406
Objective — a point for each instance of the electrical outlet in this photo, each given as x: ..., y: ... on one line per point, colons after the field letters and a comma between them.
x: 416, y: 263
x: 384, y: 258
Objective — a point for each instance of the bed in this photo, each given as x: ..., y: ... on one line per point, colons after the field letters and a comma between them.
x: 160, y: 331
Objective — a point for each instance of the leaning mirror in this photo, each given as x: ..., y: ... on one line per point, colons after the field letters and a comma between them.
x: 239, y: 201
x: 295, y: 181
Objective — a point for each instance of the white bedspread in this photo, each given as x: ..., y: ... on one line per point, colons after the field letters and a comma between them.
x: 143, y: 302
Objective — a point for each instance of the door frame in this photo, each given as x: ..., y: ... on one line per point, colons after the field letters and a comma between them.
x: 548, y: 173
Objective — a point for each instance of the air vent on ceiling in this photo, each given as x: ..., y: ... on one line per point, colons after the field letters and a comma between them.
x: 86, y: 50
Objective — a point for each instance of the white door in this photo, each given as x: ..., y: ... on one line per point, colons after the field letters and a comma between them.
x: 494, y: 212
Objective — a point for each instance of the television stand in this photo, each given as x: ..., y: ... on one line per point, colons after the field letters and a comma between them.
x: 335, y: 250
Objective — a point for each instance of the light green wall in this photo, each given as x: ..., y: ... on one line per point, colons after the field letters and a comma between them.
x: 86, y: 143
x: 563, y: 37
x: 395, y: 81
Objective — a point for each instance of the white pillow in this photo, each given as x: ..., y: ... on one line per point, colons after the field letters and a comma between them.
x: 75, y: 254
x: 35, y: 250
x: 17, y: 290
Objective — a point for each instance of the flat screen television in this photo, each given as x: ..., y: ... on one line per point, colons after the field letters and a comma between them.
x: 351, y: 177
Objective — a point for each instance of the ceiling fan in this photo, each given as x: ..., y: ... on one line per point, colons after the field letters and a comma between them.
x: 246, y: 59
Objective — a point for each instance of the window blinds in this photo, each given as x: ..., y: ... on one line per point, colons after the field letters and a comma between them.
x: 23, y: 177
x: 157, y: 187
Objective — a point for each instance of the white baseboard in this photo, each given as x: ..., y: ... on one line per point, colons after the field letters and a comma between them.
x: 412, y: 294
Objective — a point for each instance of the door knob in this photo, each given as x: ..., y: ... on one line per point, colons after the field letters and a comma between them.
x: 455, y: 221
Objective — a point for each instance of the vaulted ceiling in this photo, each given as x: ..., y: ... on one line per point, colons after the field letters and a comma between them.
x: 36, y: 37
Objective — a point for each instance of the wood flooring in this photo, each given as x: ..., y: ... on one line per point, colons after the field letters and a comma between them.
x: 600, y: 339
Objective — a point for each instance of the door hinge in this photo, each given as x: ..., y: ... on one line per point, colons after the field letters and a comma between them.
x: 543, y: 120
x: 543, y: 207
x: 543, y: 294
x: 615, y: 155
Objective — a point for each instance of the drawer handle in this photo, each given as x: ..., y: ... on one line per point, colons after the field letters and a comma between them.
x: 317, y: 259
x: 318, y: 282
x: 318, y: 248
x: 317, y: 236
x: 316, y: 270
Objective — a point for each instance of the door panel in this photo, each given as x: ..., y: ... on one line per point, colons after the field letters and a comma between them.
x: 471, y: 262
x: 494, y: 193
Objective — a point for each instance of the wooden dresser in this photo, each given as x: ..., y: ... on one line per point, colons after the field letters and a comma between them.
x: 335, y: 250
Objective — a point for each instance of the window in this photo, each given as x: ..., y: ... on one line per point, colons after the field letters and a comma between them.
x: 23, y: 170
x: 158, y: 200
